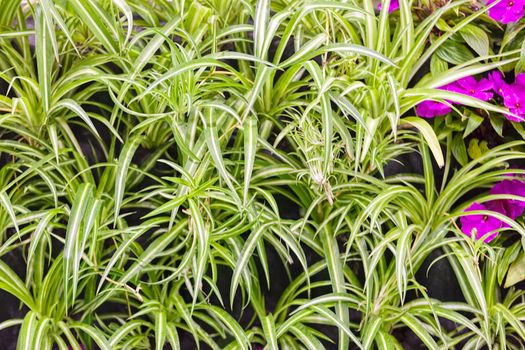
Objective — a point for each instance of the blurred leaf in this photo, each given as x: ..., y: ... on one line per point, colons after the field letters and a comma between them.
x: 459, y: 150
x: 516, y: 272
x: 428, y: 135
x: 11, y: 283
x: 454, y: 52
x: 497, y: 123
x: 477, y: 148
x: 509, y: 256
x: 476, y: 38
x: 473, y: 121
x: 437, y: 66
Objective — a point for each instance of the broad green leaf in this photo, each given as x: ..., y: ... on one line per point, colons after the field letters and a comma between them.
x: 476, y: 38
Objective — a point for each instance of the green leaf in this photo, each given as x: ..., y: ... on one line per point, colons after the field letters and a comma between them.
x: 429, y: 135
x: 244, y: 257
x: 477, y: 148
x: 6, y: 203
x: 268, y: 325
x: 160, y: 329
x: 437, y: 66
x: 516, y: 272
x: 454, y: 52
x: 214, y: 146
x: 27, y: 333
x: 95, y: 334
x: 11, y: 283
x: 124, y: 161
x: 476, y: 38
x: 44, y: 57
x: 459, y: 150
x: 232, y: 325
x: 98, y: 21
x: 497, y: 123
x: 250, y: 149
x: 473, y: 121
x: 82, y: 212
x: 509, y: 256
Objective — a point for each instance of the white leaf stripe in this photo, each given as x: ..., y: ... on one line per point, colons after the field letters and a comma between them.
x: 250, y: 149
x: 82, y: 200
x: 6, y: 203
x: 122, y: 170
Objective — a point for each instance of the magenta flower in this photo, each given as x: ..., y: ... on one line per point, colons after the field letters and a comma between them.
x: 394, y: 5
x: 431, y: 109
x: 520, y: 79
x: 500, y: 86
x: 467, y: 86
x: 479, y: 225
x: 514, y: 100
x: 506, y: 11
x: 481, y: 90
x: 511, y: 207
x: 513, y: 94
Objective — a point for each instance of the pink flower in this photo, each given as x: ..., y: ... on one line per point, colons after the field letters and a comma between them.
x: 500, y: 86
x: 520, y: 79
x: 431, y: 109
x: 466, y: 86
x: 506, y: 11
x: 513, y: 94
x: 481, y: 90
x: 511, y: 207
x: 487, y: 226
x: 514, y: 100
x: 394, y: 5
x: 479, y: 225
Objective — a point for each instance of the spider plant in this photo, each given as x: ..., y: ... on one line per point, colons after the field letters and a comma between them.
x: 217, y: 174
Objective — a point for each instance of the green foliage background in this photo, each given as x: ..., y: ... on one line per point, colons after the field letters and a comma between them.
x: 148, y: 147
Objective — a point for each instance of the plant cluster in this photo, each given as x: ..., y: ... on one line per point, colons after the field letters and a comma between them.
x: 242, y: 174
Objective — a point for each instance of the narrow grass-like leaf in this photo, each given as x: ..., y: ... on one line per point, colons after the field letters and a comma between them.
x: 83, y: 202
x: 124, y: 161
x: 242, y: 261
x: 12, y: 284
x: 335, y: 270
x: 420, y: 331
x: 44, y: 58
x: 27, y: 332
x: 309, y: 340
x: 237, y: 331
x: 250, y: 148
x: 203, y: 248
x: 268, y: 325
x: 429, y: 135
x: 98, y: 22
x: 160, y: 329
x: 6, y: 203
x: 96, y: 335
x: 262, y: 12
x: 212, y: 140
